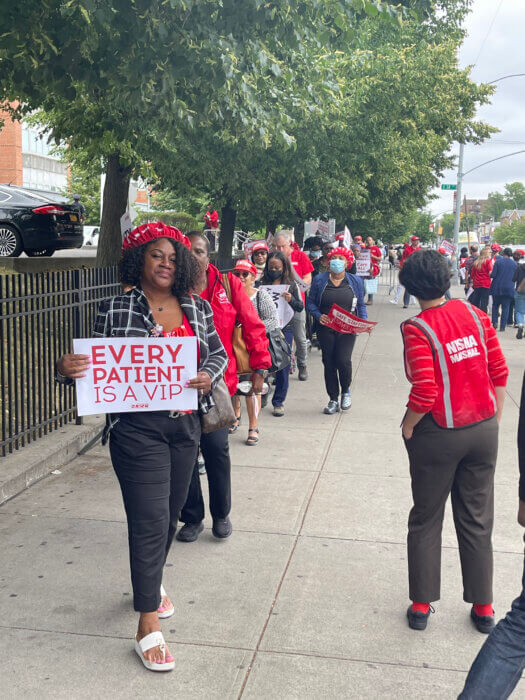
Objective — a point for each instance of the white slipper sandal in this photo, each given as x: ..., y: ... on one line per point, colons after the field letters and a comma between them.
x: 154, y: 639
x: 165, y: 613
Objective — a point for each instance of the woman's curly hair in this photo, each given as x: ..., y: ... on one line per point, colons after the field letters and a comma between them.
x: 187, y: 268
x: 425, y: 275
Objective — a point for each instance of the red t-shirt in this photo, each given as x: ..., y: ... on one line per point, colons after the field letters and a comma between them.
x: 301, y: 264
x: 480, y: 276
x: 374, y: 250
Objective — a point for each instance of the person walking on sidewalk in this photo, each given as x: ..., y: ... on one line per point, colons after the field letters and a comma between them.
x: 519, y: 295
x: 229, y: 304
x: 337, y: 287
x: 480, y: 276
x: 375, y: 269
x: 279, y: 271
x: 267, y: 312
x: 410, y: 249
x: 302, y: 268
x: 153, y: 453
x: 451, y: 351
x: 500, y: 662
x: 502, y: 288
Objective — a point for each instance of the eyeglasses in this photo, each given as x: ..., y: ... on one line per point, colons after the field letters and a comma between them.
x: 242, y: 274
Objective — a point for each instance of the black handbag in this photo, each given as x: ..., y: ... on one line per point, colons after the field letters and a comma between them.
x: 221, y: 414
x: 279, y: 350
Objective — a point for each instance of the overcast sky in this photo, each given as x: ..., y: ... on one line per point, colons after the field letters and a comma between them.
x: 495, y: 46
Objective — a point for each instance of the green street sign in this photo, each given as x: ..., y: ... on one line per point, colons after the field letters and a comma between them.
x: 448, y: 187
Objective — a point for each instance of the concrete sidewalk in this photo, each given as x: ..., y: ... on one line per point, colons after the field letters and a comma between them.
x: 307, y: 599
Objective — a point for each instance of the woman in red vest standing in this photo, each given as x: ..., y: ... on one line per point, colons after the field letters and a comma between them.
x: 451, y: 351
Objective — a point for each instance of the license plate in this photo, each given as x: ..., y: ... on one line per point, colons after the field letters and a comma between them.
x: 73, y: 217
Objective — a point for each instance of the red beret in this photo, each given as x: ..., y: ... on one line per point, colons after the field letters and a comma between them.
x: 149, y: 232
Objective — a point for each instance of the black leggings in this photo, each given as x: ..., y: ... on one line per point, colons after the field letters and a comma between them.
x: 337, y: 351
x: 480, y: 298
x: 153, y: 456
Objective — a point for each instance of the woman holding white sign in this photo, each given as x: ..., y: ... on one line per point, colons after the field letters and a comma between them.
x: 346, y: 291
x: 153, y: 453
x: 278, y: 271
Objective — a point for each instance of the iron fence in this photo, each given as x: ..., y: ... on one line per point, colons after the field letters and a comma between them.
x: 40, y: 314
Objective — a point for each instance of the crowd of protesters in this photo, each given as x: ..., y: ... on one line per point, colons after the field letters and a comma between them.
x: 249, y: 322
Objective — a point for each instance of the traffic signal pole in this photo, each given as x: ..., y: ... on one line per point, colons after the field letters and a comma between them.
x: 458, y: 206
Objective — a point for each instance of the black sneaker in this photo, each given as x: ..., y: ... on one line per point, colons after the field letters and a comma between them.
x: 222, y: 528
x: 189, y: 532
x: 418, y: 620
x: 303, y: 373
x: 484, y: 623
x: 519, y: 334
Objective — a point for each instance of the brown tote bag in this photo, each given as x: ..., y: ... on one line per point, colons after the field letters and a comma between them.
x: 242, y: 358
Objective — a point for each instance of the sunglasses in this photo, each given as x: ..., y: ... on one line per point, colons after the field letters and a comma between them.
x: 242, y: 274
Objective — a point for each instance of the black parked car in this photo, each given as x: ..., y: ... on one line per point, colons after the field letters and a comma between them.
x: 36, y: 223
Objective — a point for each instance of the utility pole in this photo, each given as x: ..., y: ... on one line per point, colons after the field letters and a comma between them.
x: 458, y: 206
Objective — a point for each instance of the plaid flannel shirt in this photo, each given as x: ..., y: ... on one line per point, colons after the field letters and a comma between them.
x: 128, y: 315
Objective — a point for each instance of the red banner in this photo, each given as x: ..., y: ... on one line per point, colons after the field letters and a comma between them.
x: 345, y: 322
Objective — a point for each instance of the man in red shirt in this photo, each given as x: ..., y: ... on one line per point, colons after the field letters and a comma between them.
x: 302, y: 268
x: 451, y: 352
x: 410, y: 248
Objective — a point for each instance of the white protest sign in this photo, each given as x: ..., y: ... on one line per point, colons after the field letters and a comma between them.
x: 363, y: 263
x: 125, y: 224
x: 247, y: 247
x: 136, y: 374
x: 449, y: 247
x: 284, y: 310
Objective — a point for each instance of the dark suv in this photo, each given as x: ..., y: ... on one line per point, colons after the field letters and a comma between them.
x: 36, y: 223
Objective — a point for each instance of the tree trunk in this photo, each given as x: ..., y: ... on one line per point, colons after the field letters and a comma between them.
x: 271, y: 227
x: 299, y: 232
x: 228, y: 216
x: 116, y: 190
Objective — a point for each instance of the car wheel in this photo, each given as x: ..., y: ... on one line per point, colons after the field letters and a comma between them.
x: 10, y: 242
x: 40, y: 253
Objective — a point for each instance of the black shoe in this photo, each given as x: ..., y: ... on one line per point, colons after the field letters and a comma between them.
x: 484, y: 623
x: 303, y: 374
x: 189, y: 532
x: 405, y: 307
x: 519, y: 334
x: 222, y: 528
x: 418, y: 620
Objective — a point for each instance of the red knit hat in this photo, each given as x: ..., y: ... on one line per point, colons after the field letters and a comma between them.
x: 343, y: 252
x: 246, y: 265
x: 149, y: 232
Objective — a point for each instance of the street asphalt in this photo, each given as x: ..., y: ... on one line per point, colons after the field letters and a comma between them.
x: 308, y: 597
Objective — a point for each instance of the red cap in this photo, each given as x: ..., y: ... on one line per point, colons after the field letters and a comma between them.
x: 358, y: 239
x: 246, y: 265
x: 495, y: 247
x: 149, y: 232
x: 340, y: 237
x: 520, y: 251
x: 442, y: 251
x: 343, y: 252
x: 414, y: 238
x: 260, y: 245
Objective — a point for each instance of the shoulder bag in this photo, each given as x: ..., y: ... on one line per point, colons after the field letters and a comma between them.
x: 221, y: 414
x: 278, y: 348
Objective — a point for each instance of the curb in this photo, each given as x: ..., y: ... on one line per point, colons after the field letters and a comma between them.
x: 33, y: 462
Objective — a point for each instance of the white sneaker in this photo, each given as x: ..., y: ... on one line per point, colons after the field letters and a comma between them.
x: 393, y: 301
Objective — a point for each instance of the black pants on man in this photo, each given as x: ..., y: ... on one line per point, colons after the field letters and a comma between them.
x: 480, y: 298
x: 461, y: 463
x: 153, y: 456
x: 216, y: 452
x: 337, y: 351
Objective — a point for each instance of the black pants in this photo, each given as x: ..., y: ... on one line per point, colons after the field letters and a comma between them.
x: 406, y: 298
x: 460, y: 462
x: 337, y: 351
x: 216, y: 452
x: 153, y: 456
x: 480, y: 298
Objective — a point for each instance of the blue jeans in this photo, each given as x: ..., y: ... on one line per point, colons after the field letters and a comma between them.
x: 519, y: 308
x: 282, y: 377
x: 504, y: 301
x: 498, y: 666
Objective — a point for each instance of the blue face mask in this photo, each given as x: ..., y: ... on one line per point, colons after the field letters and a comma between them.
x: 315, y: 254
x: 337, y: 266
